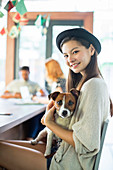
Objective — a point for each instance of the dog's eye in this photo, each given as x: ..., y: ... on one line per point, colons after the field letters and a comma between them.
x: 70, y: 103
x: 59, y: 102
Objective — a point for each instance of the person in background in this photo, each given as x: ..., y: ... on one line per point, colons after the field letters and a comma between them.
x: 13, y: 88
x: 82, y: 141
x: 55, y: 76
x: 56, y: 82
x: 32, y: 126
x: 55, y: 79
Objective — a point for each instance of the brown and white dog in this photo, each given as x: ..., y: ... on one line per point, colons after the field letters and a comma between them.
x: 65, y: 104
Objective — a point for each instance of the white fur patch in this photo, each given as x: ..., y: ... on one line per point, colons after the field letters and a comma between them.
x: 62, y: 108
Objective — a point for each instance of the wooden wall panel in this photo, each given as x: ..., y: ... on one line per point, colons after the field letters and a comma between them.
x: 9, y: 71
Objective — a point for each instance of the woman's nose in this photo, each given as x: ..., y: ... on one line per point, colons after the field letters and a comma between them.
x: 70, y: 58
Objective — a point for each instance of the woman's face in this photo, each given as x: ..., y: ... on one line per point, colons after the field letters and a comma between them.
x: 77, y: 56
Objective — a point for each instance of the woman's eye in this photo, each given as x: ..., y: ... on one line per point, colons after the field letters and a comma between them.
x: 70, y: 103
x: 59, y: 102
x: 65, y: 56
x: 75, y: 52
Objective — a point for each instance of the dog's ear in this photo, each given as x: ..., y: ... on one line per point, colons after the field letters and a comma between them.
x: 75, y: 92
x: 53, y: 95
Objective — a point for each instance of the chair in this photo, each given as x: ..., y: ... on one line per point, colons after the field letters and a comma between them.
x: 104, y: 129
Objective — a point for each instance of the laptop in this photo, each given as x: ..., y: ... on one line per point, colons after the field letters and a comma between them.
x: 25, y: 93
x: 26, y: 97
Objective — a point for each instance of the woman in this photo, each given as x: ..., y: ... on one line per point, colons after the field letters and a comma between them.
x: 82, y: 140
x: 55, y: 79
x: 54, y: 75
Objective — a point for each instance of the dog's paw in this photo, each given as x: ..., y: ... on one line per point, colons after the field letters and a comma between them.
x: 34, y: 142
x: 47, y: 153
x: 49, y: 156
x: 58, y: 158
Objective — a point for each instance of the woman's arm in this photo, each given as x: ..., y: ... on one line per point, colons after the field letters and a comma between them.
x: 48, y: 120
x: 66, y: 135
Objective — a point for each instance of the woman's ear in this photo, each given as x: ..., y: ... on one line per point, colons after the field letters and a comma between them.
x: 92, y: 49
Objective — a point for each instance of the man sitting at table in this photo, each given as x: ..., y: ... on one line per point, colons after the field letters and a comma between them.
x: 13, y: 88
x: 13, y: 91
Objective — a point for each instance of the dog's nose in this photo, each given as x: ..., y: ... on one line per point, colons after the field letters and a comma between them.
x: 64, y: 113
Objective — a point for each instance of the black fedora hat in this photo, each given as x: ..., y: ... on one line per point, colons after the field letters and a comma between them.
x: 79, y: 33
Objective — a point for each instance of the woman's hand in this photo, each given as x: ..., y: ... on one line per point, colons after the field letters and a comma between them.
x: 49, y: 114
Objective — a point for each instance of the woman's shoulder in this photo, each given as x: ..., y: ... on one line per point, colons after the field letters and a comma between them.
x: 95, y: 86
x: 95, y: 82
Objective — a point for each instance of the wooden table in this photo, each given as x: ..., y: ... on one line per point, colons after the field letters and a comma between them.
x: 11, y: 125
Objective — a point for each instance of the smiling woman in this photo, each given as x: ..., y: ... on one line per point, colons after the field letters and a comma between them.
x: 93, y: 106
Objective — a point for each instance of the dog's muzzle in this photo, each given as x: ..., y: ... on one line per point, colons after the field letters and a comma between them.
x: 64, y: 113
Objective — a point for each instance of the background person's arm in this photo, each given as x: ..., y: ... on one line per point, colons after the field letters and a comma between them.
x: 7, y: 94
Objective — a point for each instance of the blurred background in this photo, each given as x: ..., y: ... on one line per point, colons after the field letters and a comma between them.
x: 33, y: 44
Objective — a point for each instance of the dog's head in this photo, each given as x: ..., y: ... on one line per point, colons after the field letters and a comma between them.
x: 65, y: 103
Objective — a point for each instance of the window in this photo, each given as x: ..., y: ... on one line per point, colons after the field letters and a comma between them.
x: 32, y: 52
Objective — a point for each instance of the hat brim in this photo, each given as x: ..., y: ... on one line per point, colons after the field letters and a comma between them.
x: 79, y: 33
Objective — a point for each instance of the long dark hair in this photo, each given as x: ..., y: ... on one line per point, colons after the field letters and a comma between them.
x: 92, y: 70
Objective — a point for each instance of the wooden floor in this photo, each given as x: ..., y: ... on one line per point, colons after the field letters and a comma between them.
x: 106, y: 162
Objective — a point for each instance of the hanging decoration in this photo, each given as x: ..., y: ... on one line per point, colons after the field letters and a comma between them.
x: 24, y: 20
x: 9, y: 6
x: 14, y: 2
x: 18, y: 27
x: 1, y: 14
x: 14, y: 32
x: 47, y: 22
x: 16, y: 18
x: 43, y: 23
x: 3, y: 31
x: 21, y: 8
x: 38, y: 21
x: 20, y: 19
x: 45, y: 26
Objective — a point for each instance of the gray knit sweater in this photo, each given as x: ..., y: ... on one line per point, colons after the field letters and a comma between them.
x: 92, y: 109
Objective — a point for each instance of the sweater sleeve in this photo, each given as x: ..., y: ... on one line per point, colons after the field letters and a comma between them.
x: 93, y: 109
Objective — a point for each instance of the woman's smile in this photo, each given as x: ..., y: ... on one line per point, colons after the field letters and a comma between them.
x: 74, y: 66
